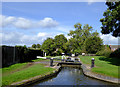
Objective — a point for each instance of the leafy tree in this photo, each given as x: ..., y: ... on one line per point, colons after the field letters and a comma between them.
x: 78, y: 43
x: 59, y: 52
x: 38, y: 46
x: 93, y: 44
x: 48, y: 46
x: 34, y: 46
x: 79, y: 36
x: 59, y: 42
x: 73, y: 44
x: 111, y: 20
x: 25, y: 46
x: 66, y: 47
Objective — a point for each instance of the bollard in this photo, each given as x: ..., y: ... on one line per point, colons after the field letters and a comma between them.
x: 92, y: 62
x: 51, y: 62
x: 62, y: 58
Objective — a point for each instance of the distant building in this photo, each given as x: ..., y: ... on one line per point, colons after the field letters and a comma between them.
x: 114, y: 47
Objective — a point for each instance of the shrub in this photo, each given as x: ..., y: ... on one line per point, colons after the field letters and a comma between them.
x: 116, y: 53
x: 104, y: 52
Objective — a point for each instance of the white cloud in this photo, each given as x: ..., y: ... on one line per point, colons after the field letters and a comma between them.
x: 48, y: 23
x: 6, y: 21
x: 24, y: 23
x: 17, y: 38
x: 93, y: 1
x: 90, y: 2
x: 109, y: 39
x: 41, y: 34
x: 68, y: 37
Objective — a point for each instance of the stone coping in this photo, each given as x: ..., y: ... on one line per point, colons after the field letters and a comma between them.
x: 37, y: 78
x: 87, y: 72
x: 85, y: 69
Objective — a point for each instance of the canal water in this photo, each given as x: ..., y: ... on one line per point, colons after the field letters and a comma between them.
x: 71, y: 76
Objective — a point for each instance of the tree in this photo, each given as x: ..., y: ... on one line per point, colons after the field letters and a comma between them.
x: 59, y: 42
x: 111, y: 20
x: 66, y: 47
x: 48, y: 46
x: 93, y: 44
x: 79, y: 36
x: 38, y: 46
x: 34, y: 46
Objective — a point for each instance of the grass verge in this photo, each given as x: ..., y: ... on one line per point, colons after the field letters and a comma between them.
x: 34, y: 70
x: 102, y: 66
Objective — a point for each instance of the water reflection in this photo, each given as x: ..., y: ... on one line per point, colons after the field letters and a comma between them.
x: 71, y: 76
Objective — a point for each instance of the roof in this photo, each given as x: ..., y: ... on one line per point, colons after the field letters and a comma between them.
x: 114, y: 46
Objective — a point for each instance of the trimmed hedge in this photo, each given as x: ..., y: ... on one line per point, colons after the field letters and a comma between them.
x: 17, y: 54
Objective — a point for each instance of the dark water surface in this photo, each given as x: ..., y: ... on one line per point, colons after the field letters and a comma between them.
x: 71, y: 76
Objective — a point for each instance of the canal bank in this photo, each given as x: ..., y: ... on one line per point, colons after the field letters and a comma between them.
x: 37, y: 78
x: 70, y: 76
x: 87, y: 72
x: 84, y: 69
x: 102, y: 70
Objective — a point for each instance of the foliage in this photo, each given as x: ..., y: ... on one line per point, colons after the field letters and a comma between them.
x: 66, y: 47
x: 101, y: 67
x: 116, y: 53
x: 48, y: 46
x: 55, y: 46
x: 34, y: 46
x: 104, y: 52
x: 25, y: 46
x: 38, y: 46
x: 79, y: 36
x: 59, y: 52
x: 111, y: 22
x: 59, y: 42
x: 93, y: 44
x: 22, y: 51
x: 78, y: 43
x: 80, y: 39
x: 26, y: 54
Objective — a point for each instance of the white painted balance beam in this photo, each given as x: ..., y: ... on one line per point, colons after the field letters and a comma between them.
x: 41, y: 57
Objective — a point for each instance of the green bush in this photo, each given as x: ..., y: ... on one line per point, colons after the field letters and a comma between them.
x: 116, y: 53
x: 104, y: 52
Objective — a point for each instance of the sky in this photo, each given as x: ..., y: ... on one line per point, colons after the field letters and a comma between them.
x: 27, y: 23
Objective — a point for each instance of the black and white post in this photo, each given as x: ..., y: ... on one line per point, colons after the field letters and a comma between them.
x: 51, y: 62
x: 92, y: 62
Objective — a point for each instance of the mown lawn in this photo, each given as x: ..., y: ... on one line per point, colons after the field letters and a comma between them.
x: 18, y: 72
x: 102, y: 65
x: 13, y: 68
